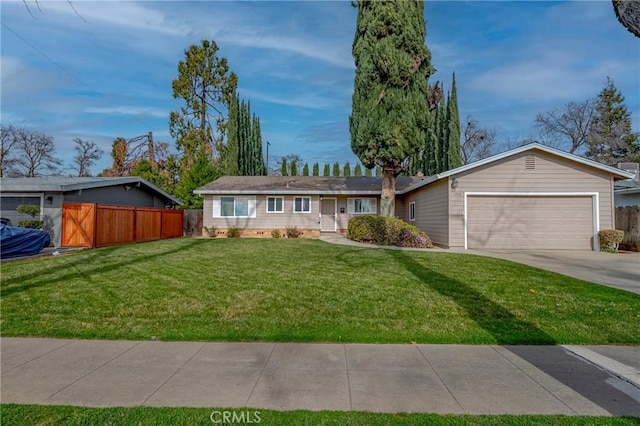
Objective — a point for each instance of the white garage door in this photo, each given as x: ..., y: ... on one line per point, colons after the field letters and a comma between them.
x: 529, y: 222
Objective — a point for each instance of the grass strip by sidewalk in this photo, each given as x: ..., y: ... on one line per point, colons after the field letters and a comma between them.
x: 64, y: 415
x: 306, y: 291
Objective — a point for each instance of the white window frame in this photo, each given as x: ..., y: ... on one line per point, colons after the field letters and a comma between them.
x: 275, y: 205
x: 351, y: 205
x: 251, y: 206
x: 303, y: 211
x: 412, y: 211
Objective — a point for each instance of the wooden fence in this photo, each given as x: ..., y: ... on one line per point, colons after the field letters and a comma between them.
x: 97, y: 225
x: 628, y: 220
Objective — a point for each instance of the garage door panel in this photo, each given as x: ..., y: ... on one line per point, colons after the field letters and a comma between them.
x: 526, y: 222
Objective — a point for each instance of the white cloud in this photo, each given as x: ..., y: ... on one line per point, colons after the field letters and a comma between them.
x: 305, y: 100
x: 115, y: 14
x: 129, y: 110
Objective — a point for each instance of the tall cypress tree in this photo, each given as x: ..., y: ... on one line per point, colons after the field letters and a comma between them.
x: 305, y: 169
x: 229, y: 160
x: 358, y: 170
x: 283, y: 169
x: 455, y: 157
x: 294, y: 168
x: 316, y: 169
x: 368, y: 172
x: 389, y: 113
x: 336, y: 169
x: 258, y: 166
x: 346, y: 169
x: 327, y: 169
x: 444, y: 135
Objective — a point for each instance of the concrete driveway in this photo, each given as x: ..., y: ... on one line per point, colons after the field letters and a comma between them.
x: 618, y: 270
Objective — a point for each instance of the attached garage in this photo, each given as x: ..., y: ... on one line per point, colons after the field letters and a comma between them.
x: 533, y: 197
x: 530, y: 221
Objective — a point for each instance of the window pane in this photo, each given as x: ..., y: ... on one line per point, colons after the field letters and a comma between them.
x: 242, y: 207
x: 306, y: 204
x: 226, y: 206
x: 279, y: 206
x: 270, y: 204
x: 297, y: 204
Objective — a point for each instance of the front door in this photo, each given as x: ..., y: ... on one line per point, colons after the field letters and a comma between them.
x: 328, y: 215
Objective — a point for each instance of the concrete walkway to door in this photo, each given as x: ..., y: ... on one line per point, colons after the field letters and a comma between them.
x: 617, y: 270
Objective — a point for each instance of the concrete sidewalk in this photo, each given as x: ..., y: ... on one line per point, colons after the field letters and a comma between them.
x: 285, y: 376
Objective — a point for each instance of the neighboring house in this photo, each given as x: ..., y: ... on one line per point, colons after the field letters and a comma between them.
x: 532, y: 197
x: 50, y: 193
x: 627, y: 192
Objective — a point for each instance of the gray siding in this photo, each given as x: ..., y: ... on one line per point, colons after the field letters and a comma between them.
x: 264, y: 220
x: 116, y: 195
x: 551, y: 174
x: 430, y: 210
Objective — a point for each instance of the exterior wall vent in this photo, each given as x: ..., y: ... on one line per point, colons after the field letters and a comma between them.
x: 529, y: 162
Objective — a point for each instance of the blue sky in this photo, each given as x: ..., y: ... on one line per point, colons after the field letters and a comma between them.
x: 108, y: 73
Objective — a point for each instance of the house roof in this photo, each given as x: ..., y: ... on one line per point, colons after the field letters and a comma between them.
x: 366, y: 185
x: 617, y: 173
x: 304, y: 185
x: 65, y: 184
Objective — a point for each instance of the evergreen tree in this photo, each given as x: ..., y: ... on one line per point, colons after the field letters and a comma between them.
x: 257, y: 160
x: 206, y: 87
x: 336, y: 169
x: 283, y: 169
x: 358, y: 170
x: 200, y: 173
x: 455, y: 157
x: 378, y: 171
x: 610, y: 139
x: 326, y: 171
x: 346, y: 170
x: 368, y: 172
x: 229, y: 154
x: 389, y: 114
x: 294, y: 168
x: 316, y: 169
x: 431, y: 153
x: 305, y: 169
x: 444, y: 135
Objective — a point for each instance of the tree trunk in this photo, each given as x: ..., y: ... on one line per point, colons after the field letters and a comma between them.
x: 388, y: 200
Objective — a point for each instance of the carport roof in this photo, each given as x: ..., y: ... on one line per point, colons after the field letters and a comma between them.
x: 65, y: 184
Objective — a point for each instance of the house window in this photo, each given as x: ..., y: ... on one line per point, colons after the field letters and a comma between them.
x: 275, y: 205
x: 302, y: 205
x: 234, y: 207
x: 362, y: 205
x: 412, y: 211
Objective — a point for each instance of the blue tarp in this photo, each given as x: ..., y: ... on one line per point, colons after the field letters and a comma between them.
x: 16, y: 242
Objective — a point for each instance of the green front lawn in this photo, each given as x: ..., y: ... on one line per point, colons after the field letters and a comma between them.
x: 305, y: 291
x: 48, y: 415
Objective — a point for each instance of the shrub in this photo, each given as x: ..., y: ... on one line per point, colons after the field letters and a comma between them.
x: 31, y: 223
x: 610, y: 239
x: 293, y: 232
x: 32, y: 211
x: 233, y: 233
x: 386, y: 231
x: 276, y: 233
x: 211, y: 231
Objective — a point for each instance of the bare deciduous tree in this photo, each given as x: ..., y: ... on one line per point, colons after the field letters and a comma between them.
x: 571, y: 125
x: 477, y: 143
x: 7, y: 143
x: 87, y: 153
x: 35, y: 154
